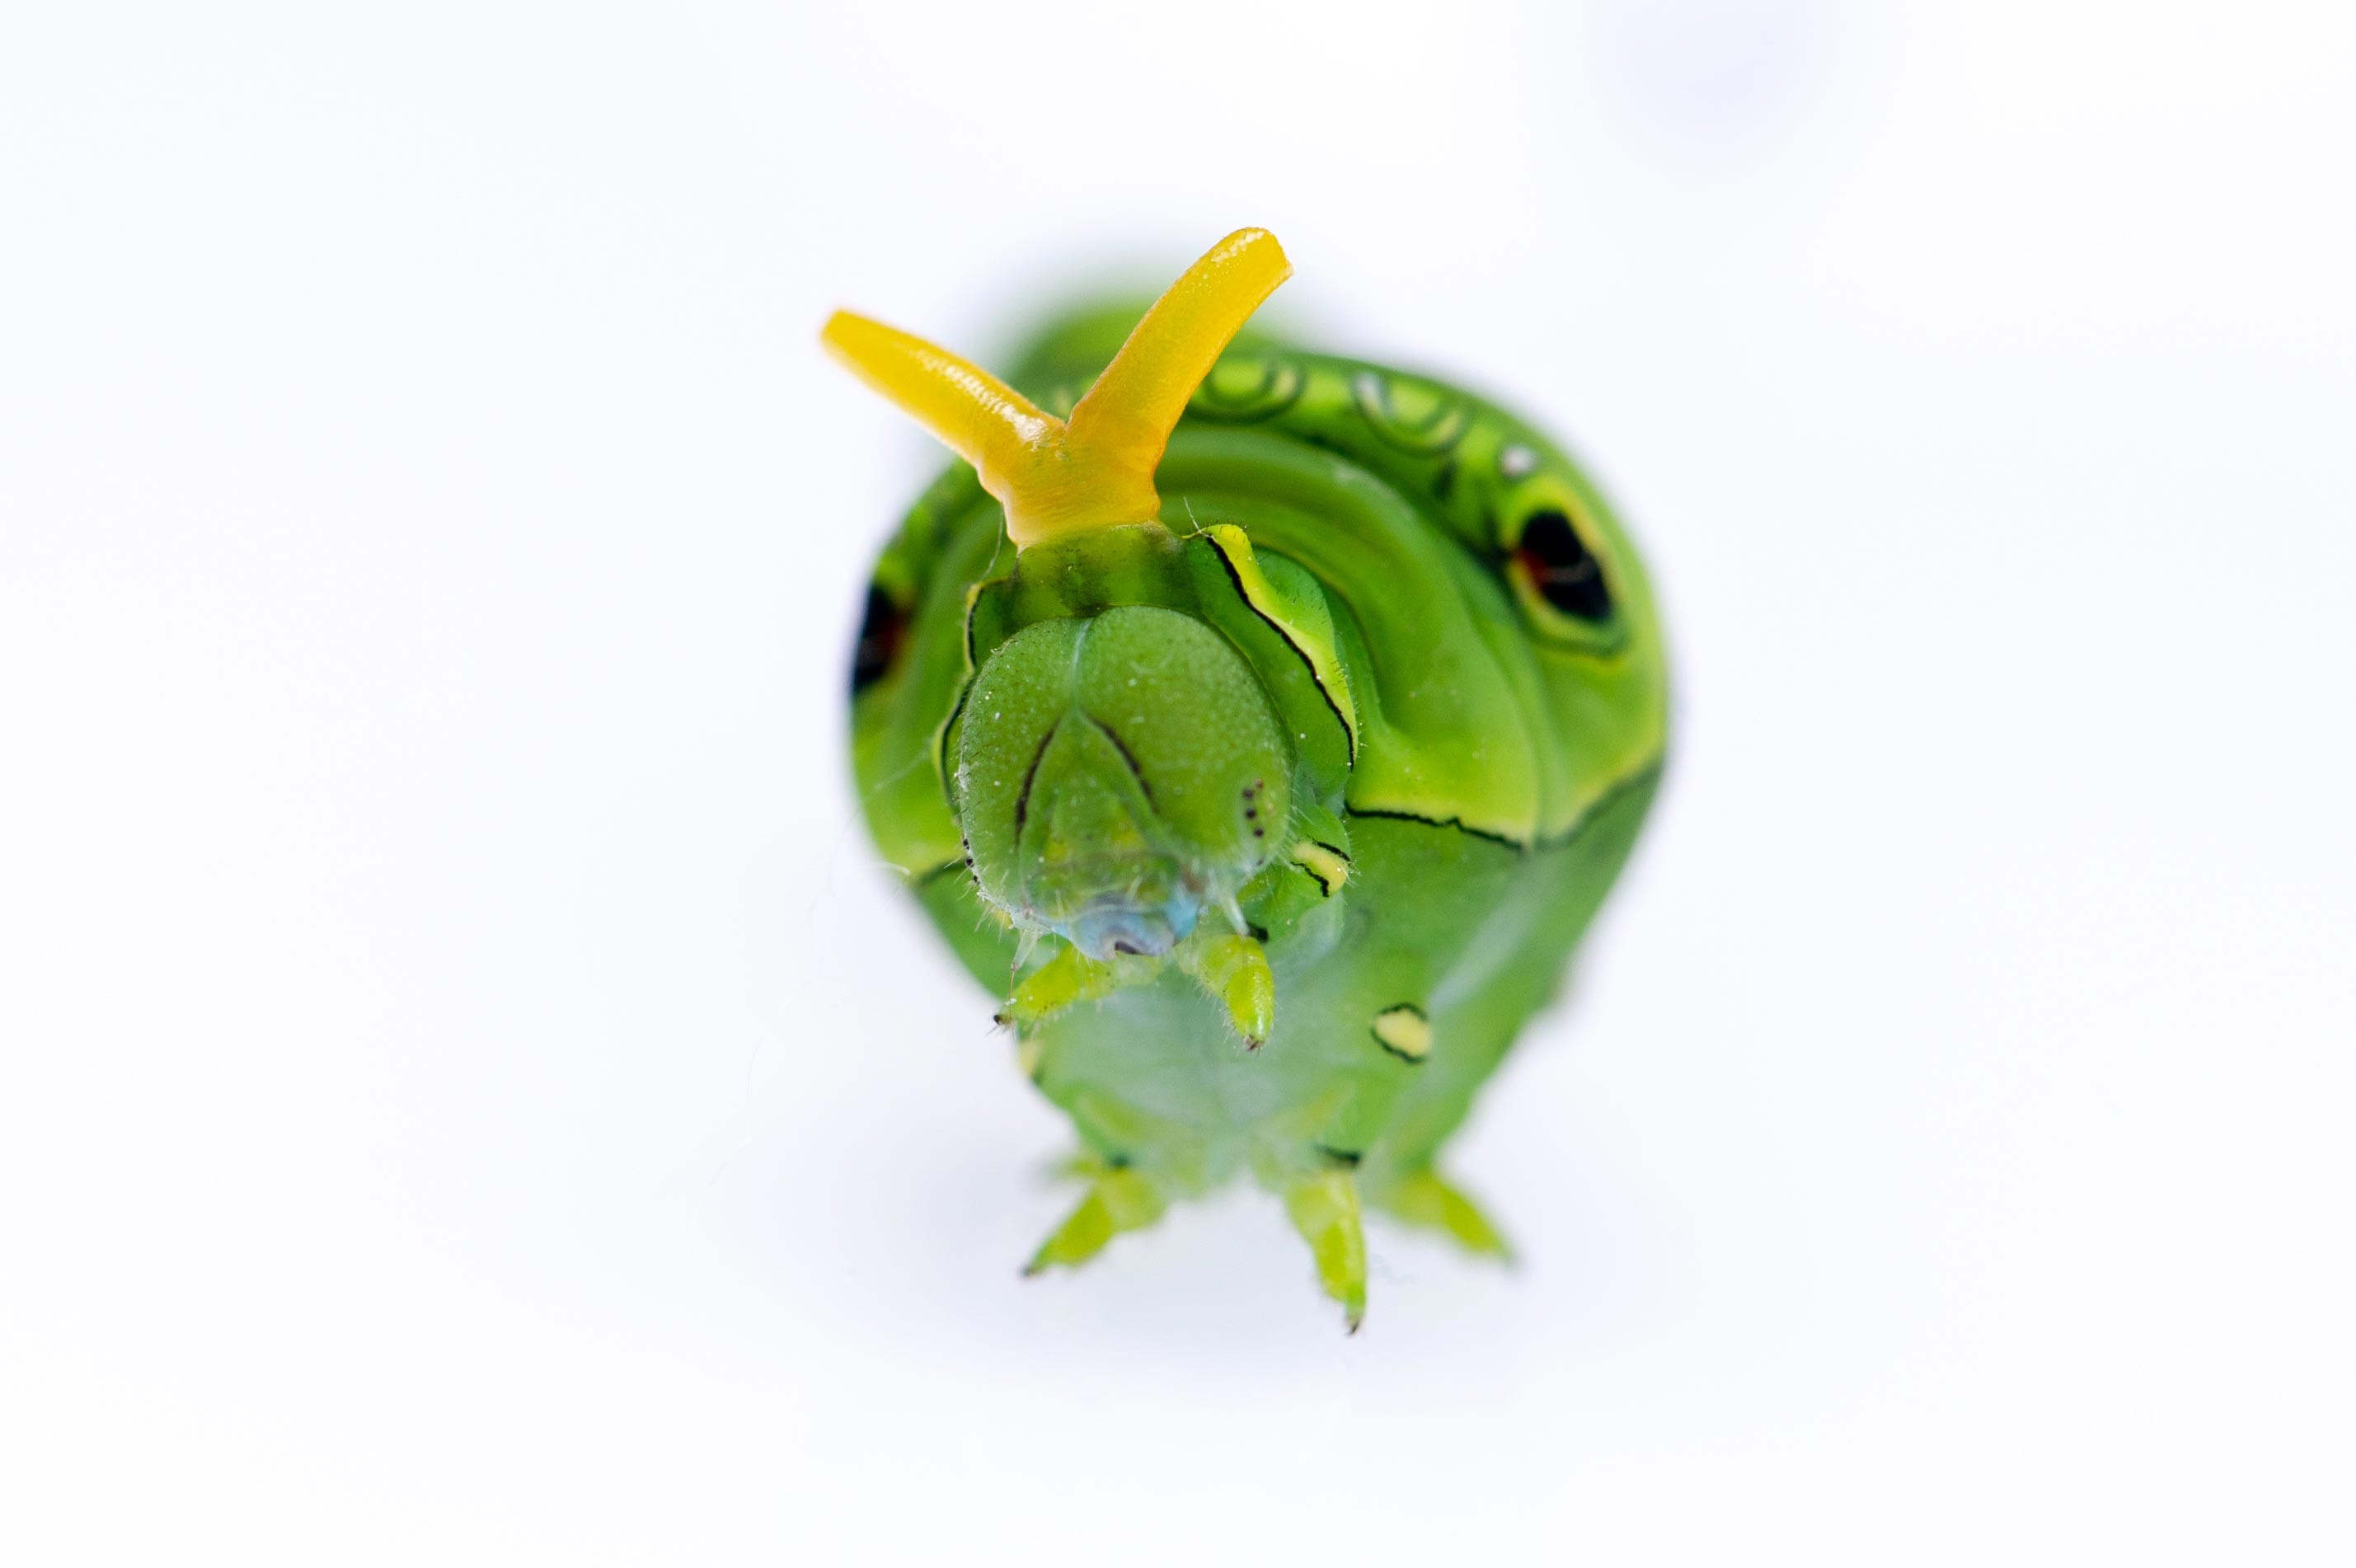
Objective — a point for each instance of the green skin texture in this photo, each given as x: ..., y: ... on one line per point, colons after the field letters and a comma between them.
x: 1331, y: 639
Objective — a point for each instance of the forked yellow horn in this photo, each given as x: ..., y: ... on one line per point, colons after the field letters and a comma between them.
x: 1055, y: 478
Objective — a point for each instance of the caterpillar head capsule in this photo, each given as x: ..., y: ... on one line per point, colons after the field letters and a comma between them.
x: 1118, y: 774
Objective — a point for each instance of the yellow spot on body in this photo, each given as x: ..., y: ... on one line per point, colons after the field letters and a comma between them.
x: 1330, y: 869
x: 1027, y: 1052
x: 1404, y: 1031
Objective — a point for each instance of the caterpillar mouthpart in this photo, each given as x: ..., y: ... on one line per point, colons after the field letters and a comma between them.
x: 1058, y: 478
x: 1110, y: 926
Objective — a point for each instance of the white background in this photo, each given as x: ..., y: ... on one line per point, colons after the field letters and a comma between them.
x: 468, y: 1094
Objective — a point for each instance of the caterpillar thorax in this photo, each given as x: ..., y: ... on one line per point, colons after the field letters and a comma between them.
x: 1273, y: 775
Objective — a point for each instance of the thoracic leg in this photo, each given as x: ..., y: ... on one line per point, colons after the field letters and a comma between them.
x: 1425, y: 1199
x: 1070, y: 977
x: 1324, y: 1209
x: 1118, y: 1201
x: 1233, y: 969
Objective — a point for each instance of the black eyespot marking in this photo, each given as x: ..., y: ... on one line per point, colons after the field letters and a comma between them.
x: 1563, y: 570
x: 882, y: 631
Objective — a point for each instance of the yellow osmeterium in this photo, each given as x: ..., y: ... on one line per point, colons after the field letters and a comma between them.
x: 1096, y: 471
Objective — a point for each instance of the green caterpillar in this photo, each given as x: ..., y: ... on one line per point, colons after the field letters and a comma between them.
x: 1276, y: 769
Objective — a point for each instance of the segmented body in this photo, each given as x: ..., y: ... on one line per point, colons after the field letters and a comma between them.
x: 1463, y: 645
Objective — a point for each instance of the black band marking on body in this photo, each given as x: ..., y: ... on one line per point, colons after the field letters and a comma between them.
x: 1650, y: 772
x: 1349, y: 735
x: 1456, y: 822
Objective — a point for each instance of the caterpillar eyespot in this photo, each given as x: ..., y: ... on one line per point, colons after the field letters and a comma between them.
x: 1306, y: 685
x: 1561, y: 568
x: 883, y: 627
